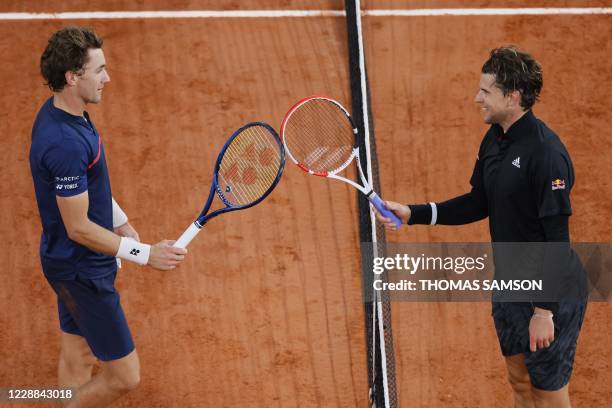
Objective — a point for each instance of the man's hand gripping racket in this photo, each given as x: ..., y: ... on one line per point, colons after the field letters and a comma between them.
x: 400, y: 210
x: 248, y: 168
x: 320, y: 137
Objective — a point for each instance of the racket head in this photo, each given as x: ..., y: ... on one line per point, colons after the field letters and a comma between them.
x: 319, y: 135
x: 249, y: 166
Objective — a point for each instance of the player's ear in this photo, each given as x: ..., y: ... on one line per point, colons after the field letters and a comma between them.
x: 515, y: 97
x: 71, y: 78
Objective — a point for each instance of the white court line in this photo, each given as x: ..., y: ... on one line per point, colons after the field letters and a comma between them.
x: 490, y: 11
x: 87, y: 15
x: 97, y: 15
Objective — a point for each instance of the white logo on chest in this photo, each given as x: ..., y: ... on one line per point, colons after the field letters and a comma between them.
x: 517, y: 162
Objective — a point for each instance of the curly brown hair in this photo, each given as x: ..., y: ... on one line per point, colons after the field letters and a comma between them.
x: 515, y: 70
x: 66, y: 51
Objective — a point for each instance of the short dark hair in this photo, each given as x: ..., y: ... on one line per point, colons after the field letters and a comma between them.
x: 515, y: 70
x: 66, y: 51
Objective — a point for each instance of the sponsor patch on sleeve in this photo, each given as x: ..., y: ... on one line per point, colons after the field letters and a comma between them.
x: 558, y: 184
x: 67, y: 183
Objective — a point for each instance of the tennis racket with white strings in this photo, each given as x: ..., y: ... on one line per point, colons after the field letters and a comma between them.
x: 248, y: 168
x: 321, y: 138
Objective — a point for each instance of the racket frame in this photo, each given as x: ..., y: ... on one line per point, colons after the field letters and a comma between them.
x: 215, y: 190
x: 365, y: 188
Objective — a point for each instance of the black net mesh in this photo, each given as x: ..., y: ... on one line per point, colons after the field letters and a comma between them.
x: 383, y: 393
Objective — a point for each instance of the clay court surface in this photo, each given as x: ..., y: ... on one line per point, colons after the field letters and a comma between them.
x: 267, y: 310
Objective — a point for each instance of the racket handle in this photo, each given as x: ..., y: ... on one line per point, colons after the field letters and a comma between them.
x: 187, y: 236
x: 383, y: 210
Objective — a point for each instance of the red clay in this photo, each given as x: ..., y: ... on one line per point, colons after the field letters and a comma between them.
x: 267, y: 309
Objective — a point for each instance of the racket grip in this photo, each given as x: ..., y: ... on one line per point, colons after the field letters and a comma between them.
x: 187, y: 236
x: 383, y: 210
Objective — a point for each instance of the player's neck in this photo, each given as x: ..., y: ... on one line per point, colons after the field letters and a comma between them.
x: 511, y: 120
x: 69, y: 102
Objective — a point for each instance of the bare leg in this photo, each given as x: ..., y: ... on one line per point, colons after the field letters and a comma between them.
x: 76, y: 362
x: 519, y: 380
x: 115, y: 379
x: 552, y: 399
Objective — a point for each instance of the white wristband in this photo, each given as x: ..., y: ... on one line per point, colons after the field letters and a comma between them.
x: 134, y: 251
x: 119, y: 217
x: 434, y: 213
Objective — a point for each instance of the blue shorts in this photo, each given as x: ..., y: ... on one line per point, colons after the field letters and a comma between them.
x: 91, y: 308
x: 549, y: 368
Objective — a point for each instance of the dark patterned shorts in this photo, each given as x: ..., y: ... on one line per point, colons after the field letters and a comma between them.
x: 549, y: 368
